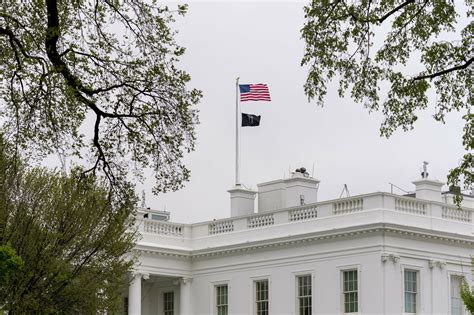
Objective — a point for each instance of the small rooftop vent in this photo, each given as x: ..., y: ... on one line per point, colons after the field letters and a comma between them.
x: 303, y: 171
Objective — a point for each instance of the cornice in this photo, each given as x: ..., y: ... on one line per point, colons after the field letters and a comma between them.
x: 161, y: 251
x: 430, y: 234
x: 348, y: 232
x: 283, y: 241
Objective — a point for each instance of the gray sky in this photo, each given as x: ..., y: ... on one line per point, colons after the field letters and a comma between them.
x: 260, y: 42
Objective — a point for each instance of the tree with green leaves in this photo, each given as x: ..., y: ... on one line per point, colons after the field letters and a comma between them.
x: 110, y: 62
x: 10, y: 263
x: 467, y: 294
x: 73, y: 236
x: 371, y: 47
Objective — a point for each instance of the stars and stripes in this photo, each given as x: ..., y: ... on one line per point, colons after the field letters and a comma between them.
x: 254, y: 92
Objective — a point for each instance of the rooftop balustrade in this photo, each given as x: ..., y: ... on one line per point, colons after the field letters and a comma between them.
x: 326, y: 215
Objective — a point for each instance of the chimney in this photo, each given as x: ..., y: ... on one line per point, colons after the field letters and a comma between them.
x: 297, y: 190
x: 428, y: 189
x: 241, y: 201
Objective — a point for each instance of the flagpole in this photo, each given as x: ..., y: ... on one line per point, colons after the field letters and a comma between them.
x: 237, y: 159
x: 237, y: 162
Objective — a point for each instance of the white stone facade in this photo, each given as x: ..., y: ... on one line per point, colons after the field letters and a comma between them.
x: 408, y: 254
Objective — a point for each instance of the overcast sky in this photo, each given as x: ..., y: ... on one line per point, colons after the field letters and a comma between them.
x: 260, y: 43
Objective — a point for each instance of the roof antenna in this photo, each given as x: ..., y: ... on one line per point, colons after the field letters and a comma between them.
x: 345, y: 190
x: 312, y: 171
x: 143, y: 199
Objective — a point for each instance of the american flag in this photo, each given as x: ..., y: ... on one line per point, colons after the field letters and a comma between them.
x: 254, y: 92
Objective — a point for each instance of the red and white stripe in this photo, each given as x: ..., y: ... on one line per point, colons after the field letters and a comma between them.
x: 258, y: 92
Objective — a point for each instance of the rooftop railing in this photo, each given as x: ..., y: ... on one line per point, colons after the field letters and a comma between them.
x: 407, y: 206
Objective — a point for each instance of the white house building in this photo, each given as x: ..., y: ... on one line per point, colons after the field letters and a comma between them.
x: 378, y: 253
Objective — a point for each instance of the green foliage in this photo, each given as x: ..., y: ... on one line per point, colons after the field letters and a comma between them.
x: 464, y: 171
x: 72, y: 234
x: 10, y: 263
x: 113, y: 61
x: 340, y: 37
x: 467, y: 296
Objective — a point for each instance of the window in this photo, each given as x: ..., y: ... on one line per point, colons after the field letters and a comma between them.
x: 456, y: 301
x: 304, y: 294
x: 125, y: 305
x: 350, y: 291
x: 411, y: 290
x: 221, y: 299
x: 261, y: 297
x: 168, y: 303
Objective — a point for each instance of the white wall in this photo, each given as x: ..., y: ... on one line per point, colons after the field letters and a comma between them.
x: 380, y: 283
x: 152, y: 296
x: 363, y: 230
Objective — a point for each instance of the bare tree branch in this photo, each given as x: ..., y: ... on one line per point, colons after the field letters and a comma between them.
x: 394, y: 10
x: 443, y: 72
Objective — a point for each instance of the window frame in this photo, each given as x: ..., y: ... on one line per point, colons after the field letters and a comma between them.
x: 213, y: 295
x: 419, y: 287
x: 415, y: 292
x: 298, y: 298
x: 255, y: 295
x: 462, y: 277
x: 355, y: 268
x: 173, y: 304
x: 125, y: 305
x: 216, y: 298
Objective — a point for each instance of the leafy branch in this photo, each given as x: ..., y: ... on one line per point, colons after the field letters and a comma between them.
x: 70, y: 64
x: 340, y: 36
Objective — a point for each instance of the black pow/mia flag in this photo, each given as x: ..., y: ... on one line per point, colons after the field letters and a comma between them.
x: 249, y: 120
